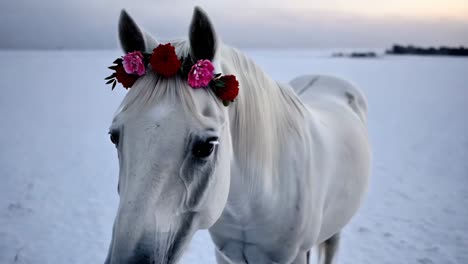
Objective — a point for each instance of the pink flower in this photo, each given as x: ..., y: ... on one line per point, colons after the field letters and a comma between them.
x: 133, y: 63
x: 201, y: 74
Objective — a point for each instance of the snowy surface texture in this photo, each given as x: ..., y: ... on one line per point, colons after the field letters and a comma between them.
x: 58, y: 169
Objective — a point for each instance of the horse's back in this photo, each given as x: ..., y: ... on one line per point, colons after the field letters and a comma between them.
x: 313, y: 89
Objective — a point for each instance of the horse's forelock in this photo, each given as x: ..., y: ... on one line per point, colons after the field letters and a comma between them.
x: 151, y: 89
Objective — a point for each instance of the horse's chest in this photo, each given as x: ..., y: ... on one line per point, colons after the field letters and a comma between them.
x: 258, y: 234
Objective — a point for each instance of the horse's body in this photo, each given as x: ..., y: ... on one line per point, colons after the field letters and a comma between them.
x: 280, y: 208
x: 289, y: 172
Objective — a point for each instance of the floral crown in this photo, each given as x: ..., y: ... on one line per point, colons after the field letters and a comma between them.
x: 165, y: 62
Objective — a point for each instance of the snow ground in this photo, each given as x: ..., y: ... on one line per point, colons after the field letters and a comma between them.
x: 58, y: 170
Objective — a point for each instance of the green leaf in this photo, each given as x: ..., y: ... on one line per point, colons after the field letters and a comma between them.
x: 217, y: 75
x: 226, y: 103
x: 212, y: 86
x: 118, y: 61
x: 110, y: 81
x: 113, y: 85
x: 113, y: 67
x: 110, y: 77
x: 217, y: 83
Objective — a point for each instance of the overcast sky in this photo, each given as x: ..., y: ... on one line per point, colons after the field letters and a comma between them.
x: 92, y: 24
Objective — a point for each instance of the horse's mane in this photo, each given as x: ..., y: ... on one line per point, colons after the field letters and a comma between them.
x: 266, y: 114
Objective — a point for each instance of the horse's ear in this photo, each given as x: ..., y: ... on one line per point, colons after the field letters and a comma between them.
x: 132, y: 38
x: 202, y: 36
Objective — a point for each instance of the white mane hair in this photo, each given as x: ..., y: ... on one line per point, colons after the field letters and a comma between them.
x: 264, y: 114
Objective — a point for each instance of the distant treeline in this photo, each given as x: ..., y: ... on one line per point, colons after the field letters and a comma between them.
x: 413, y: 50
x: 365, y: 54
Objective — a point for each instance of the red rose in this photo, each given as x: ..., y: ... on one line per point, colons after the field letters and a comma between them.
x: 230, y: 88
x: 164, y: 60
x: 127, y: 80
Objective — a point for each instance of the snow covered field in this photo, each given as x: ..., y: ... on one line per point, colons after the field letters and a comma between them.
x: 58, y: 169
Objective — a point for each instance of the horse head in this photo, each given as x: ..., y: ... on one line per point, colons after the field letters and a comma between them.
x: 174, y: 149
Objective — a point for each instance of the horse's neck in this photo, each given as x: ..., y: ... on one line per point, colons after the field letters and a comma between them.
x: 264, y: 119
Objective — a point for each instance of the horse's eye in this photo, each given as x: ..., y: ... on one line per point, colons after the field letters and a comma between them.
x: 114, y: 137
x: 204, y: 149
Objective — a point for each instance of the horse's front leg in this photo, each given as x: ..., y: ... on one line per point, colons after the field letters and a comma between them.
x: 302, y: 258
x: 328, y: 249
x: 240, y: 253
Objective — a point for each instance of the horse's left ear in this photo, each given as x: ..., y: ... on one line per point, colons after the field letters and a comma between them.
x: 202, y: 36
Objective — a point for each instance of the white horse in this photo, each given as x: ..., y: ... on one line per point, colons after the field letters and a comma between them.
x: 279, y: 171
